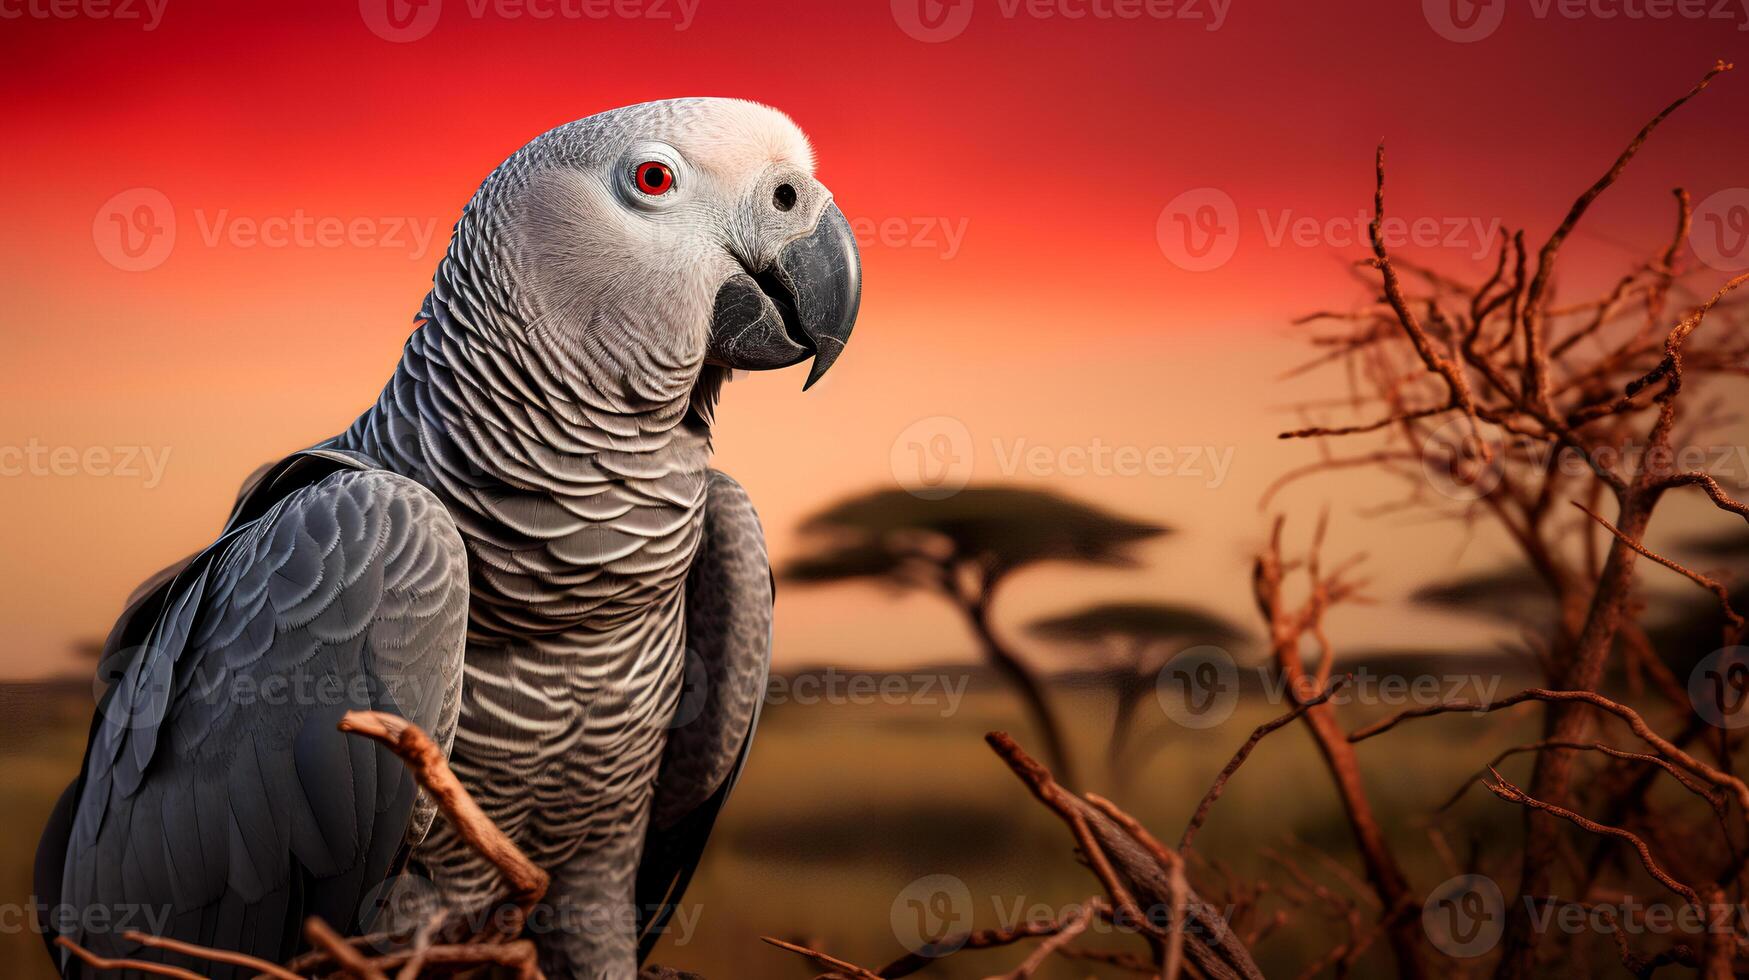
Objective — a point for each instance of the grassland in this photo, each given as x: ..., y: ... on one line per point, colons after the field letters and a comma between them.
x: 843, y: 805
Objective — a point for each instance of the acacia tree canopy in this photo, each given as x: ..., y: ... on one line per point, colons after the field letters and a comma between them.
x: 1144, y: 622
x: 999, y: 528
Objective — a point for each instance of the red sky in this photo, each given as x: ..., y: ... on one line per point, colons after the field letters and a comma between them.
x: 1012, y: 179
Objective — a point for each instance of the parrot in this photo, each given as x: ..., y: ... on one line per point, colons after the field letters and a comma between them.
x: 521, y: 547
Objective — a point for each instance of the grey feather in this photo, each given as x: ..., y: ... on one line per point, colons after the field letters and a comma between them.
x: 556, y: 404
x: 216, y: 788
x: 728, y: 649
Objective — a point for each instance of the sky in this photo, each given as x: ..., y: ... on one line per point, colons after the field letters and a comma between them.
x: 1085, y: 224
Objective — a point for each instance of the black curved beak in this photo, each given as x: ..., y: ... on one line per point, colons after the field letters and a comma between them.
x: 805, y: 303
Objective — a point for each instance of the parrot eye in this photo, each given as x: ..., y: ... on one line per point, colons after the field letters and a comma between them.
x: 653, y: 178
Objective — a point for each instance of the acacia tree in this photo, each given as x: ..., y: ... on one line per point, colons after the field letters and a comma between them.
x: 962, y: 548
x: 1136, y: 640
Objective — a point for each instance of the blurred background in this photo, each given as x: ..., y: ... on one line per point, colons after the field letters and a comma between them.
x: 1088, y: 227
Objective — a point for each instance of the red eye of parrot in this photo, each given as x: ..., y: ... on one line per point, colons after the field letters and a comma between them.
x: 654, y: 178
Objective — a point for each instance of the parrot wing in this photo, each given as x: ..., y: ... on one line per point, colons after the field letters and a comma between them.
x: 728, y: 655
x: 218, y: 804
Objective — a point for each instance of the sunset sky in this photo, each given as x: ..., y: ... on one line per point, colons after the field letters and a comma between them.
x: 1009, y: 182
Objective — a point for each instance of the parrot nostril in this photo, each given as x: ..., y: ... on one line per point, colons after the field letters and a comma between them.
x: 784, y: 197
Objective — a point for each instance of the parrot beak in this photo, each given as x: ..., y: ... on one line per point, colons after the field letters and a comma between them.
x: 805, y: 303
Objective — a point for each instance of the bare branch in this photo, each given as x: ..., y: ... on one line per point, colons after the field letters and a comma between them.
x: 1257, y: 735
x: 1512, y: 794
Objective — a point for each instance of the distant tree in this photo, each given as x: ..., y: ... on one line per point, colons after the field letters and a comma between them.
x: 962, y: 548
x: 1137, y: 639
x: 1732, y: 545
x: 1514, y: 594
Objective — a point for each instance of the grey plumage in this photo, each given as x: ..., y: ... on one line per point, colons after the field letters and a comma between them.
x: 550, y: 420
x: 216, y: 790
x: 728, y: 629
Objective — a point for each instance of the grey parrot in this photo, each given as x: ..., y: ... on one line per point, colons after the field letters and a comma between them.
x: 521, y: 547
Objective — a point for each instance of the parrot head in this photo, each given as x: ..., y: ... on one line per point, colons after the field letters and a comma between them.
x: 671, y: 235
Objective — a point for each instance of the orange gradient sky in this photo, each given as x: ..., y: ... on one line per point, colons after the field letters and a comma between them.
x: 1010, y: 180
